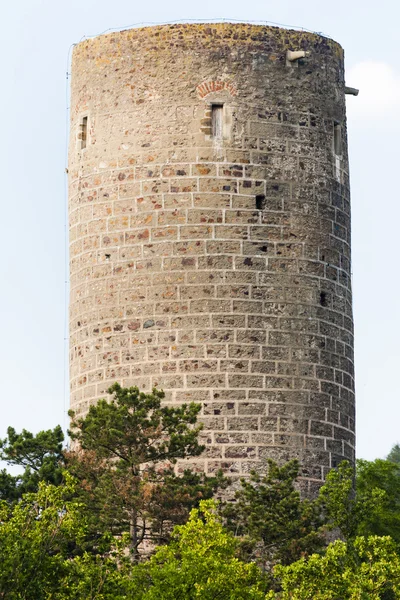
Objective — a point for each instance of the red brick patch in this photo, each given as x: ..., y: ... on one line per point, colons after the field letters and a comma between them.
x: 205, y: 88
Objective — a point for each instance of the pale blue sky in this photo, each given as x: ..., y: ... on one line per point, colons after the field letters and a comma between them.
x: 36, y: 36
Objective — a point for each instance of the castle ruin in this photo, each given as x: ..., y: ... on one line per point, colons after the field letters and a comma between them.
x: 210, y: 236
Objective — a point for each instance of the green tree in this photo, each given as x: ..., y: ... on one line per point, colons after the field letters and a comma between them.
x: 272, y: 520
x: 35, y: 562
x: 368, y: 569
x: 128, y: 447
x: 40, y: 456
x: 382, y: 475
x: 394, y: 454
x: 33, y: 535
x: 346, y: 507
x: 200, y: 563
x: 172, y: 500
x: 95, y: 577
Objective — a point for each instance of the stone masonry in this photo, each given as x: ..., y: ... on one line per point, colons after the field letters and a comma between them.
x: 210, y: 236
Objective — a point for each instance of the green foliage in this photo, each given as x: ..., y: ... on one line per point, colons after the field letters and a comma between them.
x: 69, y: 538
x: 385, y: 476
x: 9, y: 486
x: 35, y: 535
x: 172, y: 500
x: 274, y: 523
x: 134, y: 428
x: 345, y: 508
x: 128, y: 447
x: 369, y: 569
x: 39, y: 455
x: 394, y: 454
x: 91, y: 577
x: 200, y: 563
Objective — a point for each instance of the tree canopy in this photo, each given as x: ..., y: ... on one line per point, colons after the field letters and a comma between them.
x: 369, y: 568
x: 200, y: 563
x: 124, y: 461
x: 39, y: 456
x: 394, y: 454
x: 273, y: 522
x: 109, y: 519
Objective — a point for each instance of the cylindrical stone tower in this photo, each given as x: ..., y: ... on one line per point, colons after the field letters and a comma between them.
x: 210, y: 236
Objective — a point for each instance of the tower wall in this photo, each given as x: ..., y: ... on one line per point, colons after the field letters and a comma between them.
x: 210, y: 236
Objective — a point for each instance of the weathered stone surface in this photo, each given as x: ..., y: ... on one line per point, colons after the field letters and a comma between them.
x: 216, y: 268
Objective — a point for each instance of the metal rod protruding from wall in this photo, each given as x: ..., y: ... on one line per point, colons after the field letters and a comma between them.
x: 351, y: 91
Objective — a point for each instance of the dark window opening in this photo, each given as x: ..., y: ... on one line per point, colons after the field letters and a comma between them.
x: 337, y: 138
x: 216, y: 120
x: 83, y: 132
x: 260, y: 201
x: 323, y: 300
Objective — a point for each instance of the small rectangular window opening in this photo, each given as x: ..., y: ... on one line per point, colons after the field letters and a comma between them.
x: 323, y: 300
x: 260, y: 202
x: 337, y: 138
x: 216, y: 120
x: 83, y: 132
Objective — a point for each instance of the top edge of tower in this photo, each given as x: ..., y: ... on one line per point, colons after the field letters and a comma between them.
x: 212, y: 34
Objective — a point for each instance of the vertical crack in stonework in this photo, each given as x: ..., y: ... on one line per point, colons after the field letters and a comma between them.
x: 216, y: 269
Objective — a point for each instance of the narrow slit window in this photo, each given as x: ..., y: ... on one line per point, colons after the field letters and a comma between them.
x: 83, y: 132
x: 337, y: 138
x: 323, y: 300
x: 216, y: 118
x: 260, y: 202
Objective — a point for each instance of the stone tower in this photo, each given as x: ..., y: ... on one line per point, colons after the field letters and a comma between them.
x: 210, y: 235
